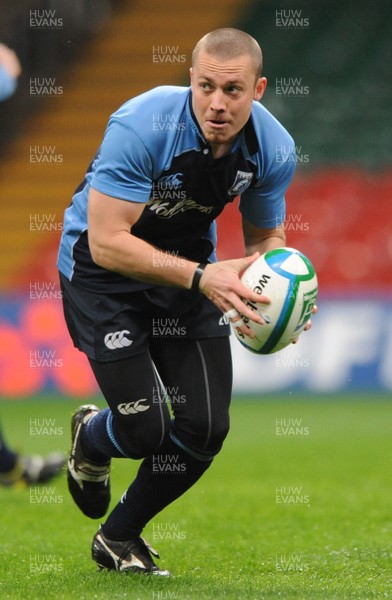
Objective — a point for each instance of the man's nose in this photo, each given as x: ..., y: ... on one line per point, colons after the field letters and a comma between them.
x: 218, y: 101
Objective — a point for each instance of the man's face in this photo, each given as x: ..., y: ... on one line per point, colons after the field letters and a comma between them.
x: 222, y: 94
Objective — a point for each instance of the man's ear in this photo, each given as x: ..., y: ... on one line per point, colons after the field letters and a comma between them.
x: 260, y: 88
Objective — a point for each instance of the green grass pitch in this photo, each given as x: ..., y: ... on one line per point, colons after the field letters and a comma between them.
x: 297, y: 505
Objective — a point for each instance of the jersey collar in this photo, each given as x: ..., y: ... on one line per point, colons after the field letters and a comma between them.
x: 193, y: 121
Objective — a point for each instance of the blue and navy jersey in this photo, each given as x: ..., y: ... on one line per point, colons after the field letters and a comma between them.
x: 154, y: 152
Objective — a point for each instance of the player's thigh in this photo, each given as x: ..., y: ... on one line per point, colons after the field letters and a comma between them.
x: 197, y: 375
x: 139, y: 411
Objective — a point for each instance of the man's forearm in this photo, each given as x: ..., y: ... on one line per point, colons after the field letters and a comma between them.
x: 269, y: 243
x: 133, y: 257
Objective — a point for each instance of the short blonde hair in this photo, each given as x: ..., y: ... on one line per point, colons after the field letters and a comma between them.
x: 227, y: 43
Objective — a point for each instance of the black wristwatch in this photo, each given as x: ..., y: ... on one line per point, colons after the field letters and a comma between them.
x: 197, y: 276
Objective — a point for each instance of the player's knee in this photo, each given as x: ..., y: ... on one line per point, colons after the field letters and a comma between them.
x: 209, y: 436
x: 139, y: 442
x: 218, y: 435
x: 140, y: 445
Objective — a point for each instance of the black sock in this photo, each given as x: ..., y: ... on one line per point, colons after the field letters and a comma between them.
x: 161, y: 479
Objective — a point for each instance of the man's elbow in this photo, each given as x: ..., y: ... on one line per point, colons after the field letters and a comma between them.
x: 99, y: 253
x: 282, y: 235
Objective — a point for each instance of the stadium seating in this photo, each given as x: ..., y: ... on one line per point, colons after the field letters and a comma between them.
x: 328, y: 84
x: 339, y: 218
x: 339, y: 112
x: 321, y: 84
x: 116, y: 65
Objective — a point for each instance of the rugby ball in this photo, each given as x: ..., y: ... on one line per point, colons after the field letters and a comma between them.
x: 288, y: 279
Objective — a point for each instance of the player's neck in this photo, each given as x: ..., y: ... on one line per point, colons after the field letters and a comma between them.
x: 219, y: 150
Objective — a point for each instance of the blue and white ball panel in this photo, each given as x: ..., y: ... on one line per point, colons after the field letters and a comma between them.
x: 288, y: 278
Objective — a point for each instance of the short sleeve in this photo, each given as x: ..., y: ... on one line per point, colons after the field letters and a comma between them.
x: 264, y: 205
x: 123, y: 167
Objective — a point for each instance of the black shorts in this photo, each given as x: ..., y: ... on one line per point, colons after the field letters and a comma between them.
x: 109, y: 327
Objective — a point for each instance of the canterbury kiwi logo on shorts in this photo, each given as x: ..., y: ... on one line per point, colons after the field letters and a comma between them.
x: 116, y: 340
x: 132, y: 408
